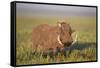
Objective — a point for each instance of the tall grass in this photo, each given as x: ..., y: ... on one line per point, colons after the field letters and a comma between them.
x: 85, y: 28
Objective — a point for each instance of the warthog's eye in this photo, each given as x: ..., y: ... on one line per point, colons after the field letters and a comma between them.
x: 60, y: 39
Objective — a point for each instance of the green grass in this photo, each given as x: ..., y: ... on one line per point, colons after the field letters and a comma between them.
x: 84, y: 27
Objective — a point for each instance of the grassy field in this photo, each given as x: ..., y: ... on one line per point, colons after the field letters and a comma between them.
x: 83, y: 50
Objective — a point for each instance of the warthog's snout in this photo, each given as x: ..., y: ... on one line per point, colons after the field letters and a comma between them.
x: 68, y: 43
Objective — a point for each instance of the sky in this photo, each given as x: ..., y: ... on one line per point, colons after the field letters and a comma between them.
x: 26, y: 9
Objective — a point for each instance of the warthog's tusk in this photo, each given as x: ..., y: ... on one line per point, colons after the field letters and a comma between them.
x: 75, y: 40
x: 58, y: 38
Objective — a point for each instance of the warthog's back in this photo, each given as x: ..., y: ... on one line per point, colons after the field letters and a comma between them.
x: 44, y: 37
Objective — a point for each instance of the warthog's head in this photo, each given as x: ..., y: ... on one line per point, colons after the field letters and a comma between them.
x: 65, y: 33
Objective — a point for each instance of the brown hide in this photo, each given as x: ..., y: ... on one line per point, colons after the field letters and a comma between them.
x: 44, y: 37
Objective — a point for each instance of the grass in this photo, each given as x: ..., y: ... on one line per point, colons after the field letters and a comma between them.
x: 84, y: 50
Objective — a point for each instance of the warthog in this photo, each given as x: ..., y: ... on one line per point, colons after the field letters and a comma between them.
x: 51, y: 40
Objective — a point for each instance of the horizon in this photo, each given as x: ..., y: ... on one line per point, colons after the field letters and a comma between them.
x: 30, y: 10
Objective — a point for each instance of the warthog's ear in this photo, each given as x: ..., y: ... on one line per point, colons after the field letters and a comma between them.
x: 59, y: 24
